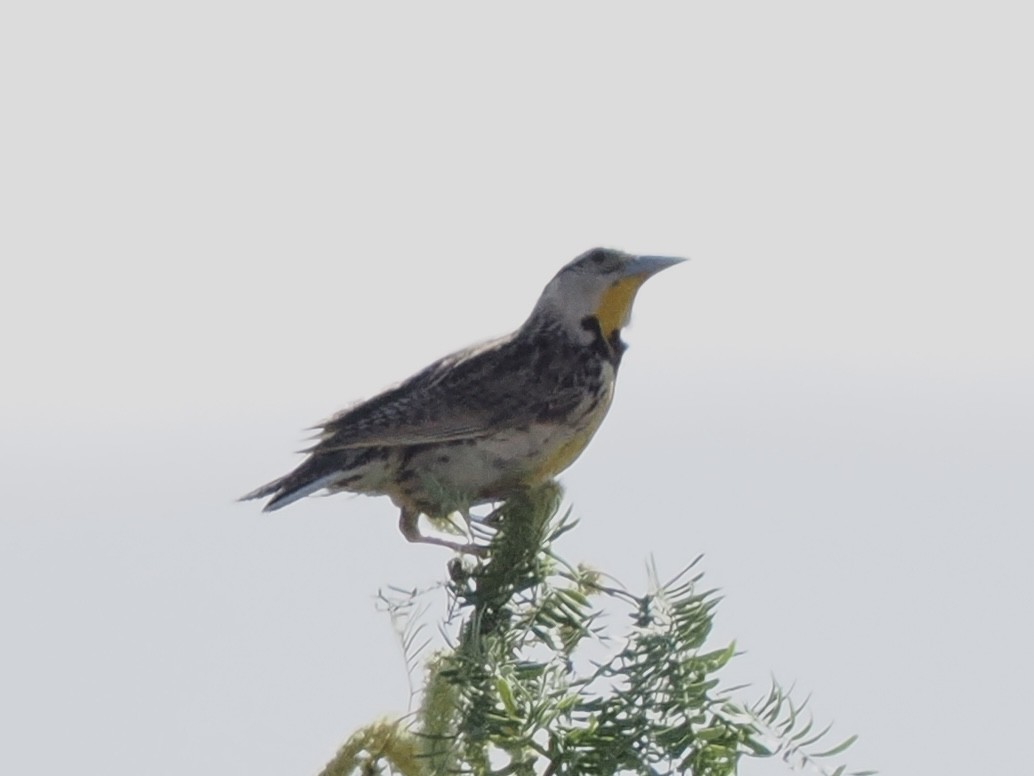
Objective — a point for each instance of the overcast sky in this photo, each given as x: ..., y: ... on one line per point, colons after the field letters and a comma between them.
x: 222, y: 221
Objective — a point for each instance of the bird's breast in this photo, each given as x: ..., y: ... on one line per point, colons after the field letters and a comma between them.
x: 566, y: 442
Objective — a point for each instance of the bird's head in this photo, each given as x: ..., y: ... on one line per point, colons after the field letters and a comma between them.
x: 593, y: 294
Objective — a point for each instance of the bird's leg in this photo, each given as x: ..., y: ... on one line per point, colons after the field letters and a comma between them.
x: 409, y: 525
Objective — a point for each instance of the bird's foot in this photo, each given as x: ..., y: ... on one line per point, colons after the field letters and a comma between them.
x: 491, y: 520
x: 409, y: 525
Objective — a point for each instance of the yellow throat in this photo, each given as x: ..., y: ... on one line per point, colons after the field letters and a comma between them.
x: 616, y: 303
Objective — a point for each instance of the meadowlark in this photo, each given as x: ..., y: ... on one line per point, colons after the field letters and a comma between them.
x: 485, y: 422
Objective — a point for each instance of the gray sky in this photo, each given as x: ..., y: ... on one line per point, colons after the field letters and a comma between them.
x: 224, y: 221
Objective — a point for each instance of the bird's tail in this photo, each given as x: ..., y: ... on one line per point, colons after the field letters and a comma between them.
x: 312, y: 475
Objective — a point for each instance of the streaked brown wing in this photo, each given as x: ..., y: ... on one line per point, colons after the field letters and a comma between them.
x: 467, y: 395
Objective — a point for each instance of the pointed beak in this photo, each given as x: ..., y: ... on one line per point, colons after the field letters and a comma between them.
x: 645, y: 266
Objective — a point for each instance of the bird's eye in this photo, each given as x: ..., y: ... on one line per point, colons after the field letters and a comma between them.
x: 595, y: 260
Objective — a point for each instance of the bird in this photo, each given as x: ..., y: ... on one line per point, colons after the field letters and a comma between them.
x: 482, y: 423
